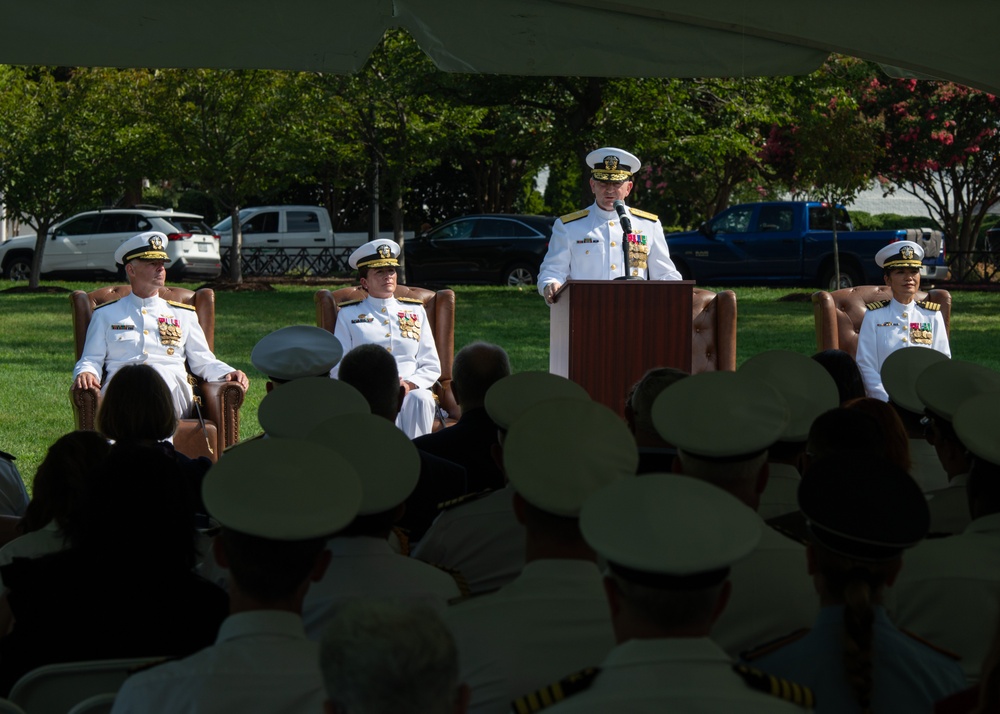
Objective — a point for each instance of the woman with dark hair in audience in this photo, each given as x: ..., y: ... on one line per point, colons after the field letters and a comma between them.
x: 125, y: 586
x: 845, y: 373
x: 138, y: 409
x: 862, y: 513
x: 895, y: 442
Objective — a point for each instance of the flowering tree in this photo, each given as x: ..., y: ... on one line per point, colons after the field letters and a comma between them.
x: 941, y: 145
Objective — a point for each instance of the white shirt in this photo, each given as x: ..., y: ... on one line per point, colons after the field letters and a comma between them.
x: 948, y: 591
x: 773, y: 595
x: 553, y: 619
x: 950, y: 506
x: 781, y: 492
x: 589, y: 247
x: 151, y: 331
x: 260, y: 662
x: 398, y: 326
x: 893, y: 327
x: 690, y: 675
x: 365, y: 567
x: 44, y: 541
x: 482, y: 539
x: 925, y: 466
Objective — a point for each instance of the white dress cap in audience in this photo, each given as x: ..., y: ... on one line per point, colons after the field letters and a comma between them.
x: 509, y: 397
x: 901, y: 254
x: 807, y: 388
x: 375, y: 254
x: 386, y: 461
x: 560, y: 451
x: 900, y: 372
x: 943, y: 386
x: 668, y: 525
x: 282, y: 489
x: 297, y: 351
x: 720, y: 415
x: 612, y: 164
x: 293, y: 409
x: 977, y: 427
x: 150, y: 245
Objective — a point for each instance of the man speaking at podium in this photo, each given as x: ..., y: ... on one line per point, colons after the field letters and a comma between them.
x: 588, y: 244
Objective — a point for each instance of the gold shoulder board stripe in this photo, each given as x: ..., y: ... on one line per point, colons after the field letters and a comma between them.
x: 644, y: 214
x: 555, y: 693
x: 105, y: 304
x: 182, y: 305
x: 467, y: 498
x: 413, y: 301
x: 877, y: 305
x: 928, y: 305
x: 772, y: 645
x: 575, y: 216
x: 776, y: 686
x: 348, y: 302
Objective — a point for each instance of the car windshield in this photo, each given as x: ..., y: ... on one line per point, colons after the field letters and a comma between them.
x: 226, y: 225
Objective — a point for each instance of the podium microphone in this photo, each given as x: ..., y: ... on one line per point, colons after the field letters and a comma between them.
x: 623, y: 217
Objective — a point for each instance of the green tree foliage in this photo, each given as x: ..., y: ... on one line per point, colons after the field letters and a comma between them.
x: 941, y: 144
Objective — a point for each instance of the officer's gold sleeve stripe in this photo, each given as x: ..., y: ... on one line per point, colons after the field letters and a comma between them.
x: 533, y: 702
x: 557, y: 692
x: 521, y: 706
x: 546, y: 697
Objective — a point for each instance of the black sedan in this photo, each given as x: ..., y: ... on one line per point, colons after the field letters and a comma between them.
x: 502, y: 249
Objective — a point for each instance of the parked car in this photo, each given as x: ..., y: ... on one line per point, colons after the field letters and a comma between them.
x: 86, y: 244
x: 788, y: 242
x: 503, y: 249
x: 934, y: 267
x: 279, y: 227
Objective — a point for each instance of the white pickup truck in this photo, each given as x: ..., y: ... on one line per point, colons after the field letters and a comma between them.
x: 280, y: 227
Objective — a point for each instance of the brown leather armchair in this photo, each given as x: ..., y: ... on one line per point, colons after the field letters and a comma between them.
x: 440, y: 307
x: 713, y: 331
x: 221, y: 401
x: 838, y: 315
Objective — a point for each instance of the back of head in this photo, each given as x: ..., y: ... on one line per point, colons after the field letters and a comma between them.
x: 477, y: 367
x: 268, y: 570
x: 382, y: 658
x: 138, y: 511
x: 845, y: 430
x: 61, y: 481
x: 639, y: 403
x: 844, y: 371
x: 372, y: 371
x: 137, y: 406
x: 895, y: 442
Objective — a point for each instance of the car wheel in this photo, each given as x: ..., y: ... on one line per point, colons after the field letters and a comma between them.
x: 18, y: 268
x: 519, y: 275
x: 850, y: 277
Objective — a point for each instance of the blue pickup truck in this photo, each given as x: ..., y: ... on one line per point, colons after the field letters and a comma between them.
x: 788, y: 242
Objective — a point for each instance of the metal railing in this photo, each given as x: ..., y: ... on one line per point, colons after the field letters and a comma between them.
x: 974, y: 267
x: 313, y: 262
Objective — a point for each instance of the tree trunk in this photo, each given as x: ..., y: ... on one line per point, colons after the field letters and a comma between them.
x: 397, y: 228
x: 236, y: 249
x: 36, y: 262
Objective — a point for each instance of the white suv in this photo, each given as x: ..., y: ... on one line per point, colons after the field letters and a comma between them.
x: 86, y: 243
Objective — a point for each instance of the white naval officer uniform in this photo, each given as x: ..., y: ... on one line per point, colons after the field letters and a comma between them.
x: 652, y: 676
x: 889, y: 326
x: 364, y: 567
x: 780, y: 492
x: 163, y: 334
x: 587, y: 245
x: 35, y: 544
x: 261, y: 661
x: 480, y: 537
x: 949, y: 506
x: 773, y: 594
x: 948, y: 592
x: 400, y: 326
x: 551, y: 620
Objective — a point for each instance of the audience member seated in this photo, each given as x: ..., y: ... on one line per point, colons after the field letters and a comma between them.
x: 655, y: 454
x: 895, y: 442
x: 138, y: 410
x: 845, y: 373
x: 296, y: 352
x: 13, y: 494
x: 553, y: 618
x: 479, y: 534
x: 372, y: 371
x: 471, y: 441
x: 772, y: 594
x: 274, y: 543
x: 363, y: 563
x: 125, y: 586
x: 379, y: 657
x: 863, y: 513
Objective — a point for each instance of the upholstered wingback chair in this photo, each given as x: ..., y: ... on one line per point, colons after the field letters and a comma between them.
x: 713, y: 331
x: 221, y: 400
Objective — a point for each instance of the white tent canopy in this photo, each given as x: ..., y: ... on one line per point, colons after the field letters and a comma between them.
x: 527, y: 37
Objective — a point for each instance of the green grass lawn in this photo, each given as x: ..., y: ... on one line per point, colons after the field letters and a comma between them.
x: 36, y: 343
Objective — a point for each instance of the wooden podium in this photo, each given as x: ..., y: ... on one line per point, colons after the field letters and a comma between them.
x: 605, y: 334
